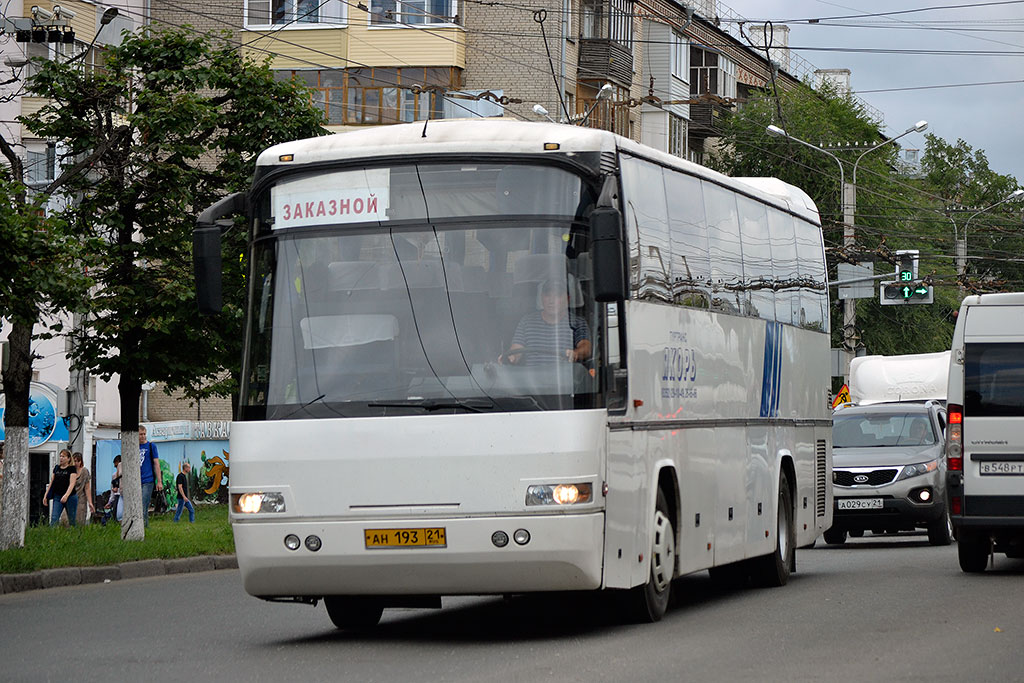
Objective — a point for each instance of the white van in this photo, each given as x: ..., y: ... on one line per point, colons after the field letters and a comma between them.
x: 985, y: 438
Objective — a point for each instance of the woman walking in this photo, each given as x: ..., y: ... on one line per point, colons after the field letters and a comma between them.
x: 60, y: 494
x: 83, y: 489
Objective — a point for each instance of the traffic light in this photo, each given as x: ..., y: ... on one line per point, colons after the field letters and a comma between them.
x: 906, y: 265
x: 898, y: 293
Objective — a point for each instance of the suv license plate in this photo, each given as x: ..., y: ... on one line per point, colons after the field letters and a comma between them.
x: 433, y: 537
x: 859, y: 504
x: 1001, y: 467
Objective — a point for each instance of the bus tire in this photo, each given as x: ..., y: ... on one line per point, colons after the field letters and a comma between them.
x: 649, y: 602
x: 773, y: 570
x: 973, y: 550
x: 353, y: 612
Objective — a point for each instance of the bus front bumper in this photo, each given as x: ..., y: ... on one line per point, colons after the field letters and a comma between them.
x: 564, y: 552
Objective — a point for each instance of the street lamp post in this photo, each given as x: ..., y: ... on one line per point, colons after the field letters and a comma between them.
x: 849, y: 305
x: 961, y: 245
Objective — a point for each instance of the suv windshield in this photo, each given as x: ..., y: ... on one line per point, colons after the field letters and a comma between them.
x: 882, y: 430
x: 416, y: 311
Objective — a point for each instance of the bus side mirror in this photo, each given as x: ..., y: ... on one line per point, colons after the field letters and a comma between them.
x: 206, y: 258
x: 608, y: 251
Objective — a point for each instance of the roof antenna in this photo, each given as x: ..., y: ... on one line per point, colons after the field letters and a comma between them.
x: 424, y: 134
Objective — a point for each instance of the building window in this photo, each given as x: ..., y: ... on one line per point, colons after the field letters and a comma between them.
x: 293, y: 12
x: 413, y: 12
x: 607, y: 114
x: 608, y: 19
x: 679, y: 53
x: 676, y: 135
x: 711, y: 73
x: 41, y: 165
x: 377, y: 95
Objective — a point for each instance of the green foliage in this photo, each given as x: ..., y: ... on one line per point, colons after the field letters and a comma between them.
x: 96, y: 545
x: 172, y: 122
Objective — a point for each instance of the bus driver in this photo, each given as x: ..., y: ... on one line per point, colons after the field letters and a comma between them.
x: 553, y: 331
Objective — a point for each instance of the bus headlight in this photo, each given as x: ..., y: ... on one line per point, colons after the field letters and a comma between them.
x: 559, y: 494
x: 249, y: 503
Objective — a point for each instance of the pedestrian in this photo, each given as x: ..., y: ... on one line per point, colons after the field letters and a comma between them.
x: 183, y: 499
x: 60, y: 494
x: 83, y: 490
x: 115, y: 504
x: 149, y: 469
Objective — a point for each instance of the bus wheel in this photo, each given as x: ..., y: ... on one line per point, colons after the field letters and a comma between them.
x: 773, y: 569
x: 973, y: 551
x: 649, y: 602
x: 353, y: 611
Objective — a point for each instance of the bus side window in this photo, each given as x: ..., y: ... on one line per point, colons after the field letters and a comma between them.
x: 786, y: 273
x: 813, y: 294
x: 757, y: 259
x: 647, y: 227
x: 690, y: 270
x: 724, y: 249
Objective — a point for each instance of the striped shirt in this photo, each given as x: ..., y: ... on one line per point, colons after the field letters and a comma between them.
x: 534, y: 333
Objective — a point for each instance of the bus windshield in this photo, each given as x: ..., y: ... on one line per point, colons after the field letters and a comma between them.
x: 420, y: 310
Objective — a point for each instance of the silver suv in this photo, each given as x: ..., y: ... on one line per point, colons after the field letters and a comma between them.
x: 889, y: 470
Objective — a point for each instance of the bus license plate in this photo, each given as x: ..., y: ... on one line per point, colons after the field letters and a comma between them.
x: 406, y: 538
x: 1002, y: 467
x: 859, y: 504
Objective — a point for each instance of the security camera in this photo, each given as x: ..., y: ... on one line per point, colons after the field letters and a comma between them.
x: 41, y: 13
x: 61, y: 12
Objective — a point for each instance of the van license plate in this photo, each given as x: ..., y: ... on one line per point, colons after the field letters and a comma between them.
x: 859, y: 504
x: 1001, y: 467
x: 433, y: 537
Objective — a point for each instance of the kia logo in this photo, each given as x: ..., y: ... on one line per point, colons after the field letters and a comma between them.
x: 860, y: 479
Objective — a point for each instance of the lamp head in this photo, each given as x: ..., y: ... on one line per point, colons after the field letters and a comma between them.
x: 1016, y: 194
x: 919, y: 127
x: 605, y: 92
x: 108, y: 16
x: 776, y: 132
x: 539, y: 110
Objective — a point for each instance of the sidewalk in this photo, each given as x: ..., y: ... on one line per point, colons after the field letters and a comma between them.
x: 75, y: 576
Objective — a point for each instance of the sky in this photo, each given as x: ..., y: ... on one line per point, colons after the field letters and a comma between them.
x: 987, y: 117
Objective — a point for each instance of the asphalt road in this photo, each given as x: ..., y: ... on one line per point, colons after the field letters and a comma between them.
x: 878, y: 608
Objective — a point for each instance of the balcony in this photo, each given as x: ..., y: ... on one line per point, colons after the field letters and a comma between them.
x: 603, y: 59
x: 707, y: 117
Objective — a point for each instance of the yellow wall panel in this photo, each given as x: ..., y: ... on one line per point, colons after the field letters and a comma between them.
x: 30, y: 105
x: 407, y: 46
x: 300, y: 49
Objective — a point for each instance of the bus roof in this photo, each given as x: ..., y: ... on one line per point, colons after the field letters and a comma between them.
x: 503, y: 136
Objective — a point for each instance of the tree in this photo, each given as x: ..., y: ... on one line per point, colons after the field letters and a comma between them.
x: 41, y: 274
x: 172, y: 121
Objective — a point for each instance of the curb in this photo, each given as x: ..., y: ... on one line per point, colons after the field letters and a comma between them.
x: 75, y: 576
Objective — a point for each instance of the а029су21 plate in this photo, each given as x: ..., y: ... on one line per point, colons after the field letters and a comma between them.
x: 433, y: 537
x: 859, y: 504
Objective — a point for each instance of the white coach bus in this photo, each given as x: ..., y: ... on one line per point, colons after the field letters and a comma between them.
x: 408, y: 430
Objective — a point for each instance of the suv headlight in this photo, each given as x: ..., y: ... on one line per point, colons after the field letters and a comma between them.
x: 918, y: 469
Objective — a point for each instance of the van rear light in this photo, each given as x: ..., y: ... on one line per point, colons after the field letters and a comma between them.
x: 956, y: 506
x: 955, y: 439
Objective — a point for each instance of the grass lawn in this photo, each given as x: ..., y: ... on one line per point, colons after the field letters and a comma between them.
x: 96, y: 545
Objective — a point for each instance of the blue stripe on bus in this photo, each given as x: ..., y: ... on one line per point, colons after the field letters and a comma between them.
x: 771, y: 376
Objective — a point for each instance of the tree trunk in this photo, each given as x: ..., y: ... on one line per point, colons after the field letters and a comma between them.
x: 17, y: 380
x: 132, y: 527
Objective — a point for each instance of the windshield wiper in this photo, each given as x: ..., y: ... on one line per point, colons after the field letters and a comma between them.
x: 430, y: 404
